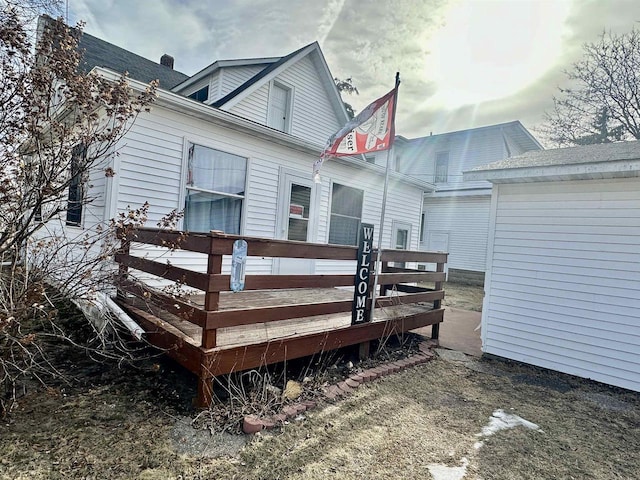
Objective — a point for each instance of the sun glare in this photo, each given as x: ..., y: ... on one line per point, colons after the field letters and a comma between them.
x: 492, y: 49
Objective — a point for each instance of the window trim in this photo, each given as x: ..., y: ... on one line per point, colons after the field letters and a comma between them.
x: 331, y: 214
x: 182, y: 197
x: 291, y: 91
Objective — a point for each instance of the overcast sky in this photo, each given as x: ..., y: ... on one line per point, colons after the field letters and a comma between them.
x: 463, y: 63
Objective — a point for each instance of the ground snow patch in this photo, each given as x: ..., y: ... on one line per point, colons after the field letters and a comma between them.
x: 503, y: 421
x: 442, y: 472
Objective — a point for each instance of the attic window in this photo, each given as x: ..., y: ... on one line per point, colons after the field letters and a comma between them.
x: 279, y: 107
x: 201, y: 95
x: 442, y: 167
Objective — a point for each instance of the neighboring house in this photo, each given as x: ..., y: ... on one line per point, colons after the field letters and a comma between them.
x: 234, y: 146
x: 455, y: 216
x: 563, y: 267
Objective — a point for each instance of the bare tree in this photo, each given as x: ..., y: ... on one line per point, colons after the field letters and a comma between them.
x: 347, y: 86
x: 603, y: 102
x: 58, y: 129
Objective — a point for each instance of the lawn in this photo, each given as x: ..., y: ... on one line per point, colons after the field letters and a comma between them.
x: 121, y: 423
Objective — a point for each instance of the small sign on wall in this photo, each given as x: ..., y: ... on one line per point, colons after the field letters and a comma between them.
x: 360, y: 311
x: 296, y: 211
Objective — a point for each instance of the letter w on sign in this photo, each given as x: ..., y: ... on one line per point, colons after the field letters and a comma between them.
x: 360, y: 311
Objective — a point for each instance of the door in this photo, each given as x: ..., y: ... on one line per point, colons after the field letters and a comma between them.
x: 296, y: 219
x: 401, y: 238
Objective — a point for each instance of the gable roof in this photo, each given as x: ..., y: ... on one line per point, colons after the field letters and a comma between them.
x: 257, y: 77
x: 98, y: 53
x: 516, y: 131
x: 220, y: 64
x: 276, y: 67
x: 607, y: 160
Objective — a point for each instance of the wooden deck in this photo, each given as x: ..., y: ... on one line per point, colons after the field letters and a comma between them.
x: 276, y: 317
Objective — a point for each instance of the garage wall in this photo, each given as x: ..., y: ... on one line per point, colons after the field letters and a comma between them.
x: 563, y: 287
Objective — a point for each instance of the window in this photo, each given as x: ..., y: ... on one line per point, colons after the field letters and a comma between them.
x: 279, y: 107
x: 76, y: 191
x: 423, y: 221
x: 442, y: 167
x: 201, y: 95
x: 215, y: 190
x: 370, y: 158
x: 346, y: 212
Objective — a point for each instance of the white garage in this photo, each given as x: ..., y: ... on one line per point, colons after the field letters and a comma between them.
x: 563, y: 261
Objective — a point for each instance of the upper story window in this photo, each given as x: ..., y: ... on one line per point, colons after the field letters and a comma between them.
x: 346, y: 214
x: 201, y: 95
x: 279, y: 112
x: 442, y: 167
x: 76, y: 191
x: 215, y: 190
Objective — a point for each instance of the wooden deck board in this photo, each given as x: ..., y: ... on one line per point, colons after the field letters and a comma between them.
x: 255, y: 333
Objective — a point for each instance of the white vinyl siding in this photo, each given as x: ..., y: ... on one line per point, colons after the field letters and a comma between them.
x: 153, y: 153
x: 563, y: 290
x: 233, y: 77
x: 312, y: 115
x: 466, y: 220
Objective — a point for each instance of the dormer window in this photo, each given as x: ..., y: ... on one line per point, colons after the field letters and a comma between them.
x: 442, y: 167
x: 279, y: 112
x: 201, y: 95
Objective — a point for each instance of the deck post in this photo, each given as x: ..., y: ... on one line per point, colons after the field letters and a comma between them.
x: 435, y: 328
x: 205, y: 390
x: 211, y: 299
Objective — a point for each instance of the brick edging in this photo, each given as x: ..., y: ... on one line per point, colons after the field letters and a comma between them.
x: 254, y: 423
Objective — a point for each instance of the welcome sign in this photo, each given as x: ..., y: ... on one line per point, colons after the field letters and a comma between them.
x: 360, y: 311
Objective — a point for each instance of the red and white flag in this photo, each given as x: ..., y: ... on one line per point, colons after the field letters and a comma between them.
x: 372, y: 130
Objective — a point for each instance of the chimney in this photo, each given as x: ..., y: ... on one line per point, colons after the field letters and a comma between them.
x: 167, y: 61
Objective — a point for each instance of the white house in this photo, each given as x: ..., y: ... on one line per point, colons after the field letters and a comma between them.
x: 234, y: 146
x: 563, y: 261
x: 455, y: 217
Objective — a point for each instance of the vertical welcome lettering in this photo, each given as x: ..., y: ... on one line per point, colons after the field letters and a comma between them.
x: 360, y: 311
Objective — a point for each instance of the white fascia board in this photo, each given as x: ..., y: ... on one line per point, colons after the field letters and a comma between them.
x: 210, y: 114
x: 581, y: 171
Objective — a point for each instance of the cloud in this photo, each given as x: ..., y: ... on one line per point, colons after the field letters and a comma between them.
x: 370, y: 40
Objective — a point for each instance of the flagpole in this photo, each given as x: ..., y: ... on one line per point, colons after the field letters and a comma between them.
x: 378, y: 261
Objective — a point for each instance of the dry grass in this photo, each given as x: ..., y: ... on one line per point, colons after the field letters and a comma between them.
x: 465, y: 297
x: 393, y: 428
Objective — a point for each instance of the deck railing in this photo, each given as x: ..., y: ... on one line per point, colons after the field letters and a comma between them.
x: 397, y: 285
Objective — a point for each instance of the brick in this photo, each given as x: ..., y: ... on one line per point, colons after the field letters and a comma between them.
x: 252, y: 424
x: 309, y: 404
x: 300, y: 407
x: 290, y: 411
x: 357, y: 378
x: 351, y: 383
x: 268, y: 423
x: 424, y: 347
x: 279, y: 418
x: 344, y: 388
x: 393, y: 367
x: 368, y: 375
x: 332, y: 392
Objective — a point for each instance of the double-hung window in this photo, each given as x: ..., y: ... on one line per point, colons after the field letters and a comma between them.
x: 215, y: 190
x: 346, y: 213
x: 75, y: 197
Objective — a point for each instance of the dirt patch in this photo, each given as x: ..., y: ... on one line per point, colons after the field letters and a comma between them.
x: 465, y: 297
x: 123, y: 423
